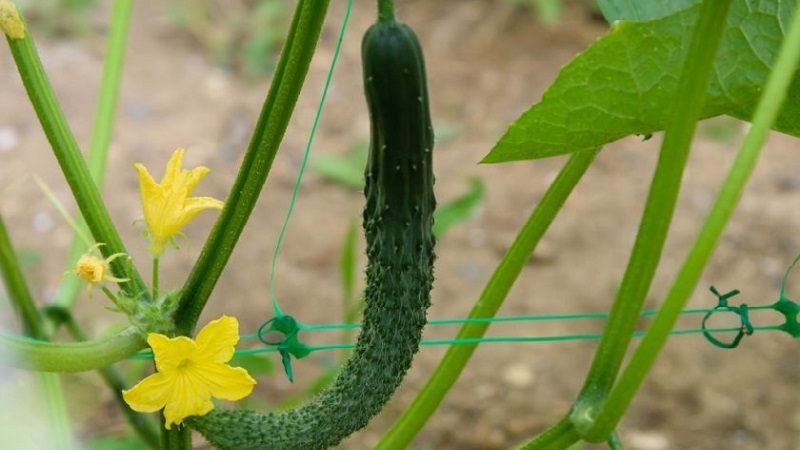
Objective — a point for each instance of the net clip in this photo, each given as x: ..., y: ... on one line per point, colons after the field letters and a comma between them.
x: 290, y: 345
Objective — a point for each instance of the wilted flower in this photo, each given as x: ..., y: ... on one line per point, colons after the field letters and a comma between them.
x: 95, y: 270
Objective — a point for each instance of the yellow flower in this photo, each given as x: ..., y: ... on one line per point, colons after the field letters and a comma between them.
x: 95, y: 270
x: 10, y: 22
x: 191, y: 372
x: 168, y: 205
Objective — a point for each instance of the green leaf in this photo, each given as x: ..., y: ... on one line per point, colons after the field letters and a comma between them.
x: 624, y: 83
x: 347, y: 170
x: 460, y: 209
x: 254, y: 364
x: 639, y: 11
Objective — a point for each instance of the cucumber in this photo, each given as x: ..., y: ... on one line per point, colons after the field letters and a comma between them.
x: 398, y: 221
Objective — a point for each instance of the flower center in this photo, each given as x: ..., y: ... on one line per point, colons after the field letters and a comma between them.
x: 185, y: 364
x: 91, y: 269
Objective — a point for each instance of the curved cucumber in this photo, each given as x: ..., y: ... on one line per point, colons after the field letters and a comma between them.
x: 398, y: 221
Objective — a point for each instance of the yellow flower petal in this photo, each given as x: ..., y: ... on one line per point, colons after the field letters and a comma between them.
x: 192, y: 178
x: 173, y: 167
x: 197, y: 204
x: 150, y: 394
x: 170, y: 353
x: 226, y: 382
x: 188, y: 398
x: 216, y: 341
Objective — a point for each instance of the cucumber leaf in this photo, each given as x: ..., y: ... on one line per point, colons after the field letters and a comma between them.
x: 639, y: 11
x: 623, y: 84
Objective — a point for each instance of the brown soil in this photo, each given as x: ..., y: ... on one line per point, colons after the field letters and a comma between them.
x: 487, y: 63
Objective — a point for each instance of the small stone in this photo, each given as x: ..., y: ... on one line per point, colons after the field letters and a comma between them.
x: 9, y: 138
x: 519, y: 375
x: 645, y: 440
x: 42, y: 222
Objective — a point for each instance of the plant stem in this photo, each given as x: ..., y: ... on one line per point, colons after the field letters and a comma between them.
x: 139, y: 422
x: 155, y: 278
x: 69, y: 287
x: 286, y: 84
x: 25, y: 353
x: 657, y: 215
x: 386, y: 11
x: 18, y: 291
x: 71, y: 161
x: 767, y: 110
x: 495, y: 292
x: 560, y: 436
x: 177, y: 438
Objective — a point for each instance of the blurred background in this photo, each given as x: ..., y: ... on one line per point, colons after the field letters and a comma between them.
x: 195, y: 76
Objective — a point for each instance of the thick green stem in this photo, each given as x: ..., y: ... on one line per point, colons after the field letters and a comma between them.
x: 25, y: 353
x: 386, y: 11
x: 71, y: 161
x: 687, y: 278
x: 657, y: 214
x: 101, y: 133
x: 287, y: 82
x: 495, y: 292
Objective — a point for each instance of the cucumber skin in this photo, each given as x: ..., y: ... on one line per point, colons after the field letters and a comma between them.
x: 398, y: 221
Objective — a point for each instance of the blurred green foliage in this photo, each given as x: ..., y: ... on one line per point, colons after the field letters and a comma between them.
x: 242, y: 36
x: 116, y: 443
x: 58, y: 17
x: 544, y: 10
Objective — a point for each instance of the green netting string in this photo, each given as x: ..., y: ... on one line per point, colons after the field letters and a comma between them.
x: 283, y: 333
x: 304, y: 162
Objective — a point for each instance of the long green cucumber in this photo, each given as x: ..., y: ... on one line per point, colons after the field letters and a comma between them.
x: 398, y: 221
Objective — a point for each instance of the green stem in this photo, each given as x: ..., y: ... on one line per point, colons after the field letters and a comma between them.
x: 18, y: 290
x: 495, y: 292
x: 71, y: 161
x: 139, y: 422
x: 386, y: 11
x: 560, y: 436
x: 25, y: 353
x: 101, y: 132
x: 767, y: 110
x: 657, y: 214
x: 286, y: 84
x: 177, y: 438
x: 155, y: 278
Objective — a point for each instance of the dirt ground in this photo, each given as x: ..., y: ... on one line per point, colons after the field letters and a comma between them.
x: 487, y: 63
